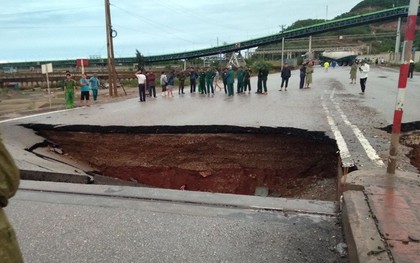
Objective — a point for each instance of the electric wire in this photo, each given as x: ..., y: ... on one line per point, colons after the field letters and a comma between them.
x: 201, y: 16
x: 155, y: 24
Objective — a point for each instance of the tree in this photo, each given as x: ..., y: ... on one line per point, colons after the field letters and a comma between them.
x: 141, y: 62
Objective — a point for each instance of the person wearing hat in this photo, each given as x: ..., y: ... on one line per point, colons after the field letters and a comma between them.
x: 411, y: 69
x: 363, y: 75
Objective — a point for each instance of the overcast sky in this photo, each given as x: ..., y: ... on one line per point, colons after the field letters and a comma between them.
x: 62, y: 29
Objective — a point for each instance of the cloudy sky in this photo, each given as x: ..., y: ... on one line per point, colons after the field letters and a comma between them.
x: 62, y: 29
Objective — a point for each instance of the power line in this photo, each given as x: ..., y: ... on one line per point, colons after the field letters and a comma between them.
x: 155, y: 24
x: 201, y: 17
x: 37, y: 12
x: 46, y: 27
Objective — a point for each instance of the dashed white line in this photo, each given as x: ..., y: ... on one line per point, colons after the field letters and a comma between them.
x: 345, y: 155
x: 370, y: 151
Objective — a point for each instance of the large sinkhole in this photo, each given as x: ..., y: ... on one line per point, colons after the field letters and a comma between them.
x: 278, y: 162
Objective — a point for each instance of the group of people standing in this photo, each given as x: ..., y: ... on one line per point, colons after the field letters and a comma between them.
x: 86, y: 85
x: 202, y: 80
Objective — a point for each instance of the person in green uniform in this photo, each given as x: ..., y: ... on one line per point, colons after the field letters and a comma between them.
x: 202, y: 81
x: 69, y: 86
x: 264, y: 77
x: 209, y: 80
x: 230, y: 79
x: 181, y: 78
x: 9, y: 182
x: 240, y: 75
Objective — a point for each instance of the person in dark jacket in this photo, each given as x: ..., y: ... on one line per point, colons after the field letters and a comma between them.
x: 224, y: 77
x: 193, y: 80
x: 171, y: 82
x: 411, y: 69
x: 151, y: 83
x: 285, y: 75
x: 302, y: 71
x: 264, y: 77
x: 247, y: 80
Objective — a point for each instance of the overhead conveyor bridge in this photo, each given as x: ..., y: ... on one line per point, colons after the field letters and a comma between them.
x: 362, y: 19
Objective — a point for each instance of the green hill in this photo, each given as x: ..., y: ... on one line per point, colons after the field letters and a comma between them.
x: 366, y: 6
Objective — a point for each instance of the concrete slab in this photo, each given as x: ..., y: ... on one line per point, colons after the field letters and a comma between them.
x: 217, y: 199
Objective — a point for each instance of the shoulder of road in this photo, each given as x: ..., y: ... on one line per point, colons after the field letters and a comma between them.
x: 381, y: 216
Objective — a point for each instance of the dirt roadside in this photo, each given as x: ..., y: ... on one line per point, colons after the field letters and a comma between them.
x: 16, y: 103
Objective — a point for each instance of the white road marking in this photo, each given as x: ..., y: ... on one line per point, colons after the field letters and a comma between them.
x: 345, y: 155
x: 36, y: 115
x: 370, y: 151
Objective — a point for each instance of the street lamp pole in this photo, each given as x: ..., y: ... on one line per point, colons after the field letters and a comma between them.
x: 402, y: 84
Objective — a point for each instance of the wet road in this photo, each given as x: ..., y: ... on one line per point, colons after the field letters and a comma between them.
x: 60, y: 227
x: 332, y: 106
x: 99, y: 228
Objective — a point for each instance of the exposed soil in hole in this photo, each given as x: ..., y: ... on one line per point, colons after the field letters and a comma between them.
x: 413, y: 140
x: 410, y: 138
x: 285, y: 165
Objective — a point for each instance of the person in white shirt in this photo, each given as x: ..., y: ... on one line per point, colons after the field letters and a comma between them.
x: 142, y: 85
x: 363, y: 75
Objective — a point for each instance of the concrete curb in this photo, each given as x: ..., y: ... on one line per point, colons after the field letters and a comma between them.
x: 364, y: 242
x: 216, y: 199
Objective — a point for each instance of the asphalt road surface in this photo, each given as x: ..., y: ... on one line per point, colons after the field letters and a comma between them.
x: 60, y: 227
x: 332, y: 105
x: 54, y: 227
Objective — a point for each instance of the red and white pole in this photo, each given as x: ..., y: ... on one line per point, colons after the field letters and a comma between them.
x: 402, y: 84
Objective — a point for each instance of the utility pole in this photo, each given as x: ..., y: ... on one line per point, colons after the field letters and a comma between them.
x: 282, y: 47
x: 310, y: 49
x: 112, y: 74
x: 402, y: 84
x: 398, y: 41
x: 326, y: 13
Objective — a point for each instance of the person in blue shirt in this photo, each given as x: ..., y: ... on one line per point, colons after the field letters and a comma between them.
x: 84, y: 96
x: 94, y: 85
